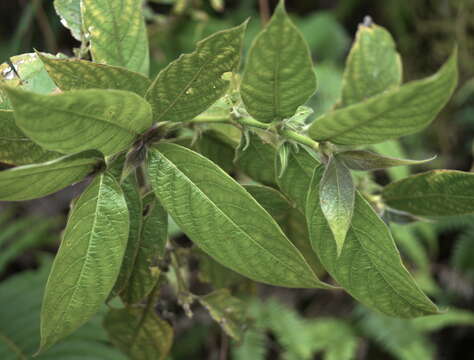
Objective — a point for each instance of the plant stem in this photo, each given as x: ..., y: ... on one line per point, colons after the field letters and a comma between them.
x: 264, y: 11
x: 247, y: 121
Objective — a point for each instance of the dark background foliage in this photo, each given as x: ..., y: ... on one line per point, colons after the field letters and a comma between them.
x: 425, y: 32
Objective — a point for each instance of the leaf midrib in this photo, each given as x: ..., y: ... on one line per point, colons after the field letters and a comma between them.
x: 226, y: 216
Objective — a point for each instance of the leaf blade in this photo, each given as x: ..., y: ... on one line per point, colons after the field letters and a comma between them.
x: 38, y: 180
x: 367, y: 161
x: 198, y: 186
x: 369, y: 266
x: 193, y: 82
x: 76, y: 74
x: 336, y: 197
x: 85, y: 268
x: 433, y: 193
x: 81, y: 120
x: 274, y: 92
x: 389, y: 115
x: 117, y: 33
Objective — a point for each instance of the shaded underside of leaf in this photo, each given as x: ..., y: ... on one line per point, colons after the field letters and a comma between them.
x: 368, y: 161
x: 16, y: 148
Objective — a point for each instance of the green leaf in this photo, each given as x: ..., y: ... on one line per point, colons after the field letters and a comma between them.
x: 149, y: 251
x: 140, y: 334
x: 433, y: 193
x: 212, y: 272
x: 207, y: 205
x: 16, y: 148
x: 294, y: 181
x: 70, y: 13
x: 105, y: 120
x: 368, y: 161
x: 373, y: 65
x: 228, y: 311
x: 453, y: 317
x: 38, y: 180
x: 389, y: 115
x: 213, y: 147
x: 74, y: 74
x: 20, y: 305
x: 88, y: 261
x: 336, y: 197
x: 257, y: 159
x: 193, y: 82
x: 291, y: 220
x: 369, y: 266
x: 131, y: 191
x: 117, y: 33
x: 279, y: 74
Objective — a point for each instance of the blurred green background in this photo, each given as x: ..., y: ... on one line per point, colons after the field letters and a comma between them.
x: 285, y: 324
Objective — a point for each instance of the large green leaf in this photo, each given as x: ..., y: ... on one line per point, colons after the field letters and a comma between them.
x: 193, y: 82
x: 15, y: 147
x: 294, y: 181
x: 70, y: 13
x: 105, y: 120
x: 389, y: 115
x: 223, y: 219
x: 368, y: 161
x: 131, y: 192
x: 279, y: 74
x: 149, y: 251
x: 20, y: 304
x: 75, y: 74
x: 88, y: 261
x: 369, y: 266
x: 373, y: 65
x: 117, y: 33
x: 336, y: 197
x: 433, y: 193
x: 38, y: 180
x: 140, y: 334
x: 256, y: 159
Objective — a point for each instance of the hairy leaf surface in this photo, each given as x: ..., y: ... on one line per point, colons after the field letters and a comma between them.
x: 104, y: 120
x: 368, y: 161
x: 373, y: 65
x: 88, y: 261
x: 369, y: 266
x: 221, y: 217
x: 140, y: 334
x: 193, y: 82
x: 75, y: 74
x: 38, y: 180
x: 117, y: 33
x: 336, y: 197
x: 150, y: 251
x: 16, y: 148
x: 279, y: 74
x: 433, y: 193
x: 389, y: 115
